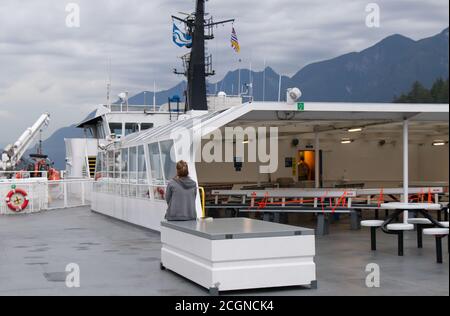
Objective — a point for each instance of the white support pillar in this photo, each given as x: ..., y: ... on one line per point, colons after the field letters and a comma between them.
x: 317, y: 164
x: 317, y: 157
x: 405, y: 166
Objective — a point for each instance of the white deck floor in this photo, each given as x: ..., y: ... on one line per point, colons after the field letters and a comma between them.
x: 119, y: 259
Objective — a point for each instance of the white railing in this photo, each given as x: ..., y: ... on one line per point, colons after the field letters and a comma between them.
x: 69, y: 193
x: 7, y: 175
x: 47, y: 195
x: 134, y: 190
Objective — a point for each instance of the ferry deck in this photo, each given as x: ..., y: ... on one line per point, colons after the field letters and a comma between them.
x: 116, y: 258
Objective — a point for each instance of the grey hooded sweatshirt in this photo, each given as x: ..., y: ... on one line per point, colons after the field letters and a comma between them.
x: 180, y: 197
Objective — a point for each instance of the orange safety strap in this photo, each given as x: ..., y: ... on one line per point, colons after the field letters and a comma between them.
x: 381, y: 197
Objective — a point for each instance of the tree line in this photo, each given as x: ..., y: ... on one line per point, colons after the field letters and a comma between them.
x: 438, y: 93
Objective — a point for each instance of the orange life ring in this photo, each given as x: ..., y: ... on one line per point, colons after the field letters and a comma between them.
x: 17, y: 200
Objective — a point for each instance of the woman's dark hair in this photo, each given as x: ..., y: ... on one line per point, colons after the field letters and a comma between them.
x: 182, y: 169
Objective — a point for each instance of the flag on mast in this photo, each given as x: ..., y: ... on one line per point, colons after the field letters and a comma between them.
x: 180, y: 38
x: 234, y: 41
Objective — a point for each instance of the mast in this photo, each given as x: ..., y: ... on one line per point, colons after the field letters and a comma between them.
x: 196, y: 73
x: 197, y: 65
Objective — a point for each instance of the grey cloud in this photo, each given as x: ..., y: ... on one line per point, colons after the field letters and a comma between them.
x: 49, y: 67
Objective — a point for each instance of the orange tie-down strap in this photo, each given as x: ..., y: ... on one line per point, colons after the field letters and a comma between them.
x: 342, y: 201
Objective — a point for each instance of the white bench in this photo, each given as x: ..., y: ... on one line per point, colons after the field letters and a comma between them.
x: 420, y: 224
x: 399, y: 230
x: 374, y: 225
x: 438, y: 233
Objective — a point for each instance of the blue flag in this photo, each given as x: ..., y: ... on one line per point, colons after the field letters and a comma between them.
x: 179, y: 38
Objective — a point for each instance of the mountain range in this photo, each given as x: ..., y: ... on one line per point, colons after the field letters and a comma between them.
x: 377, y: 74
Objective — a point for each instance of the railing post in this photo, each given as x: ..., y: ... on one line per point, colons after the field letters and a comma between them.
x: 65, y: 193
x: 83, y: 198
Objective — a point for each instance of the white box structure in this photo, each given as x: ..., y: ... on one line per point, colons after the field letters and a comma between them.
x: 239, y: 253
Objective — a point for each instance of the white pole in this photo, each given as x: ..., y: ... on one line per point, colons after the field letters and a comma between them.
x: 405, y: 167
x: 239, y: 79
x: 251, y: 82
x: 279, y: 90
x: 264, y: 81
x: 154, y: 96
x: 317, y: 159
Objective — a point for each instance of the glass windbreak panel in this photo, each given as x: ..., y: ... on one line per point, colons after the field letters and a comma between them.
x: 104, y: 173
x: 110, y: 166
x: 125, y: 164
x: 133, y: 165
x: 142, y: 168
x: 155, y: 163
x: 98, y: 165
x: 116, y: 128
x: 168, y: 159
x: 100, y: 131
x: 117, y: 164
x: 145, y: 126
x: 143, y: 189
x: 131, y: 128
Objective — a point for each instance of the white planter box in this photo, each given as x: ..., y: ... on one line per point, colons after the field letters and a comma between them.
x: 239, y: 253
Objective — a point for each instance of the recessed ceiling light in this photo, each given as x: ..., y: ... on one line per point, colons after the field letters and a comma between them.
x: 355, y: 129
x: 346, y: 141
x: 439, y: 143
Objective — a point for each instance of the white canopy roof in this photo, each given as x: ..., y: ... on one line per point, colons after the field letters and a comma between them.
x: 287, y: 114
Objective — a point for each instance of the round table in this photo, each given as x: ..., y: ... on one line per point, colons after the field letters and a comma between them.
x: 421, y: 208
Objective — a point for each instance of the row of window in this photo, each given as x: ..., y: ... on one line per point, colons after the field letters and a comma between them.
x: 138, y: 165
x: 120, y: 129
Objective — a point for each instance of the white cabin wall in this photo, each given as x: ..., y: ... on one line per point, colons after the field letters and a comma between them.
x: 367, y: 161
x: 359, y: 161
x: 434, y: 163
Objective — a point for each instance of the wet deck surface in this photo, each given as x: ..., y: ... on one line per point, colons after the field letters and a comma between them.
x: 119, y: 259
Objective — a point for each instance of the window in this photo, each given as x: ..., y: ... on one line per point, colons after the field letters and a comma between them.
x: 125, y: 164
x: 98, y: 166
x: 116, y: 128
x: 99, y: 163
x: 142, y: 168
x: 117, y: 164
x: 133, y: 165
x: 110, y: 164
x: 131, y: 128
x: 100, y: 130
x: 104, y: 173
x: 155, y: 163
x: 168, y: 159
x: 143, y: 189
x: 145, y: 126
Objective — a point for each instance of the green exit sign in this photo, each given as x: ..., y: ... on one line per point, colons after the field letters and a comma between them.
x: 301, y: 106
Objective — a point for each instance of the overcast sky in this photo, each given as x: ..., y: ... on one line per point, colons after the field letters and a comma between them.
x: 46, y: 66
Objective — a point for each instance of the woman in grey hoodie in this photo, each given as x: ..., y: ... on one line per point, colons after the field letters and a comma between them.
x: 180, y: 195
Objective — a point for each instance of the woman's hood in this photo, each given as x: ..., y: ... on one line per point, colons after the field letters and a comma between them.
x: 186, y: 183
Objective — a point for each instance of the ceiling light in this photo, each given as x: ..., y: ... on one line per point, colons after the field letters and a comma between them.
x: 346, y: 141
x: 355, y: 129
x: 439, y: 143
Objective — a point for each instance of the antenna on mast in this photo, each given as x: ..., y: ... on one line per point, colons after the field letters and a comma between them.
x: 108, y: 85
x: 197, y: 66
x: 154, y: 96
